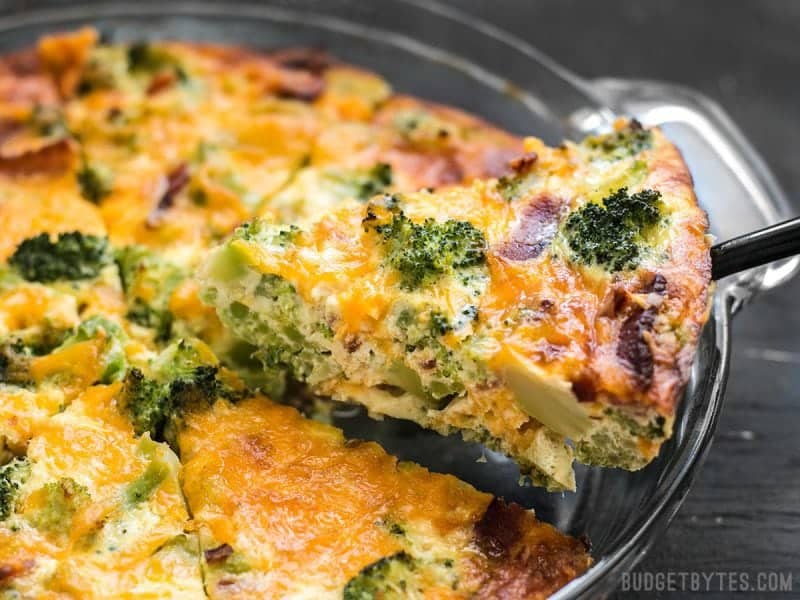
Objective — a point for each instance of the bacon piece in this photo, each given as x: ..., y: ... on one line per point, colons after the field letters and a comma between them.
x: 218, y: 554
x: 632, y: 346
x: 537, y: 227
x: 161, y: 82
x: 51, y: 156
x: 524, y: 561
x: 175, y: 181
x: 314, y: 60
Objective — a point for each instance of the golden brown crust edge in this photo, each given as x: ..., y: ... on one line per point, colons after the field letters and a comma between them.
x: 655, y: 318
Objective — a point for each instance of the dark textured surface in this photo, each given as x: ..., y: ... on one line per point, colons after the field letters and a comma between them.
x: 743, y: 513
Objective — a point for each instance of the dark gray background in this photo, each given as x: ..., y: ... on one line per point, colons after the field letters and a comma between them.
x: 743, y: 513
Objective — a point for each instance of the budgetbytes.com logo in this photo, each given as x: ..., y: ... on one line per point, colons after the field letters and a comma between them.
x: 708, y: 581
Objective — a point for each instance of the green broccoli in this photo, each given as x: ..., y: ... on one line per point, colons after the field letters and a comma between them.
x: 373, y: 182
x: 184, y: 377
x: 612, y: 234
x: 148, y: 281
x: 145, y: 402
x: 104, y: 70
x: 619, y: 144
x: 424, y: 130
x: 150, y: 59
x: 15, y: 358
x: 72, y: 256
x: 423, y: 253
x: 115, y: 361
x: 142, y: 488
x: 441, y: 376
x: 60, y: 501
x: 390, y: 577
x: 95, y: 181
x: 267, y: 233
x: 48, y: 121
x: 96, y: 76
x: 13, y: 475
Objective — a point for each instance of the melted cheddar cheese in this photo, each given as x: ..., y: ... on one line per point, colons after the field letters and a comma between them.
x: 275, y: 519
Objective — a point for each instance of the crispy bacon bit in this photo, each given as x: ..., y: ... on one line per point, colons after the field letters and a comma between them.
x: 218, y: 554
x: 522, y: 164
x: 499, y: 528
x: 314, y: 60
x: 9, y: 571
x: 496, y: 162
x: 54, y: 157
x: 27, y: 90
x: 352, y: 343
x: 161, y: 81
x: 659, y: 284
x: 300, y: 85
x: 429, y: 363
x: 24, y: 62
x: 519, y: 566
x: 584, y: 387
x: 632, y: 346
x: 537, y: 227
x: 176, y: 180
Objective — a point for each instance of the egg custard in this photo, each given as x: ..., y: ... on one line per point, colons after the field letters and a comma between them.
x: 139, y: 454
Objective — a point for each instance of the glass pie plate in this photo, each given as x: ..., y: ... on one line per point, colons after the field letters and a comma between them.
x: 435, y: 52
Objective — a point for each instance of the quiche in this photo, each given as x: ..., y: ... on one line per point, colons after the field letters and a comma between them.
x: 140, y: 452
x: 552, y: 311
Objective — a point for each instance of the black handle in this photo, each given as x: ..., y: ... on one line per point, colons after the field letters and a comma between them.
x: 756, y: 248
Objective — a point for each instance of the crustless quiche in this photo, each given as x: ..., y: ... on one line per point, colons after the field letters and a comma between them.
x: 561, y: 302
x: 140, y: 456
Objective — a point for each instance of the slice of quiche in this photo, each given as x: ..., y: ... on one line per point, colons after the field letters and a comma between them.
x: 91, y: 511
x: 564, y: 302
x: 286, y: 507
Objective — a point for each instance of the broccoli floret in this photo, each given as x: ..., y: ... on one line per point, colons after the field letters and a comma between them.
x: 185, y: 376
x: 114, y: 359
x: 423, y: 253
x: 49, y: 122
x: 13, y: 475
x: 146, y: 58
x: 59, y: 501
x: 15, y: 359
x: 266, y: 233
x: 104, y: 70
x: 440, y: 372
x: 619, y: 144
x: 390, y: 577
x: 143, y: 487
x: 148, y: 282
x: 612, y: 234
x: 96, y: 76
x: 160, y: 321
x: 72, y: 256
x: 145, y: 402
x: 424, y: 130
x: 373, y: 182
x: 95, y: 181
x: 226, y: 559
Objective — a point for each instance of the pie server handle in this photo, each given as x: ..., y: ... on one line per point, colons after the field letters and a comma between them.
x: 756, y: 248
